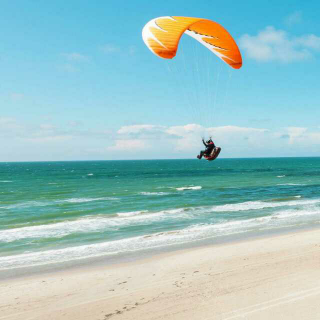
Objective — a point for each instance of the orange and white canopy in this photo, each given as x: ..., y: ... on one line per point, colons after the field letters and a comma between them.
x: 162, y: 36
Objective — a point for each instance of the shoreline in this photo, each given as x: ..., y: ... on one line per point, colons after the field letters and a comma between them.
x: 253, y: 278
x: 131, y: 257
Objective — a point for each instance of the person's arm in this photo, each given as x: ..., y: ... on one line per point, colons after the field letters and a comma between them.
x: 204, y: 143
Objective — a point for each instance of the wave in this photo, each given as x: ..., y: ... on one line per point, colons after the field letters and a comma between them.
x: 255, y: 205
x: 152, y: 215
x: 6, y: 181
x: 88, y: 224
x: 133, y: 244
x: 161, y: 239
x: 135, y: 219
x: 291, y: 184
x: 27, y: 204
x: 30, y: 204
x: 297, y: 214
x: 83, y: 200
x: 284, y: 199
x: 154, y: 193
x: 281, y: 176
x: 189, y: 188
x: 131, y: 213
x: 55, y: 230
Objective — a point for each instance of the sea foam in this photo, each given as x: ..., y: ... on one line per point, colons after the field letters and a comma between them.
x: 189, y: 188
x: 135, y: 219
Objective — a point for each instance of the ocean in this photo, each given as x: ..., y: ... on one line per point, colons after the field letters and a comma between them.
x: 59, y: 212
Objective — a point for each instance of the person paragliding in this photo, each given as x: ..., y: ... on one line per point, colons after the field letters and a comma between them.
x: 162, y: 36
x: 209, y: 148
x: 211, y: 152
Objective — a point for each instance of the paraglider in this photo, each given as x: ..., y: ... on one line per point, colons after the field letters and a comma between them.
x: 211, y: 152
x: 162, y: 36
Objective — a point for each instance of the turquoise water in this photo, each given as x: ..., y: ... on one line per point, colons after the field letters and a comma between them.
x: 53, y: 212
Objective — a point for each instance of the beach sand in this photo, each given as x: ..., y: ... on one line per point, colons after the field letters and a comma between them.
x: 265, y: 278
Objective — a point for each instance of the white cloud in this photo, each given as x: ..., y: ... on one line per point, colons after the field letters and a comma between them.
x: 138, y: 128
x: 76, y: 57
x: 69, y: 68
x: 297, y: 134
x: 110, y: 48
x: 73, y: 59
x: 145, y: 131
x: 309, y: 41
x: 293, y: 18
x: 271, y: 44
x: 188, y: 129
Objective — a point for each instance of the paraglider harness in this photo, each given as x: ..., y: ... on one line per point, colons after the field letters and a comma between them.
x: 211, y: 152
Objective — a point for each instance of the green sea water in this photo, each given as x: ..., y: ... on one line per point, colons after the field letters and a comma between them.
x: 53, y: 212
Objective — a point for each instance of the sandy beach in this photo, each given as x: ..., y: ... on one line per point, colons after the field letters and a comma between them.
x: 276, y: 277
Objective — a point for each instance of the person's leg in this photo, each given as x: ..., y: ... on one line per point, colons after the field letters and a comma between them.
x: 201, y: 154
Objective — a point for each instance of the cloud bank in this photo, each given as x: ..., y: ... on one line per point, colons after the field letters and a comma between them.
x: 271, y: 44
x: 46, y: 141
x: 185, y: 141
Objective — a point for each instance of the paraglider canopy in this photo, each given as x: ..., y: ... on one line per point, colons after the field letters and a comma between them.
x: 162, y: 36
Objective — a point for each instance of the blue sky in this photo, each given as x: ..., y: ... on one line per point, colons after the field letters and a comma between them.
x: 78, y: 83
